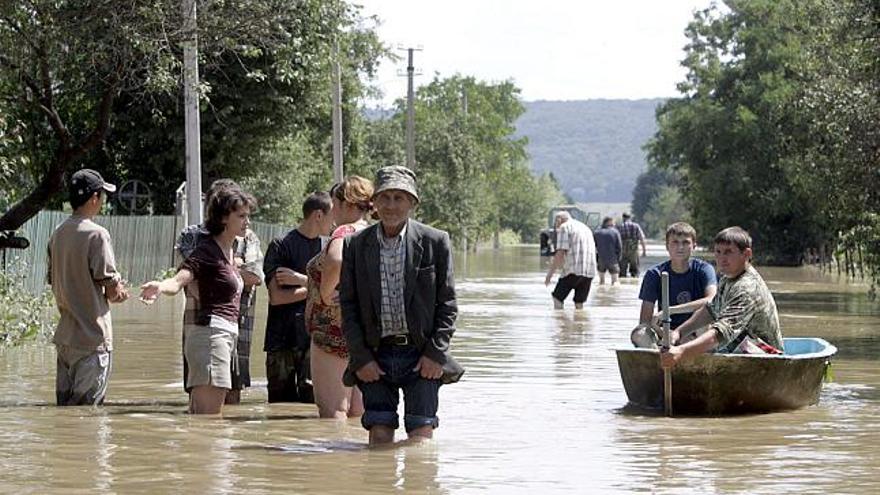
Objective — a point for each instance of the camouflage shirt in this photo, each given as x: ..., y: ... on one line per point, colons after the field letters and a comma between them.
x: 744, y: 307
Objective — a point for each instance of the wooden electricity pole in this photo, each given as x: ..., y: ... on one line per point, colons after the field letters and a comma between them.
x: 337, y: 118
x: 191, y: 118
x: 410, y: 110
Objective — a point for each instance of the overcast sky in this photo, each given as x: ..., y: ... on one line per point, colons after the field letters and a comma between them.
x: 552, y: 49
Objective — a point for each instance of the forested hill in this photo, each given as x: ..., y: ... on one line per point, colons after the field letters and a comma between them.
x: 594, y: 147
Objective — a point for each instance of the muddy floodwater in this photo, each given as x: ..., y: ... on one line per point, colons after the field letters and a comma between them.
x: 540, y: 409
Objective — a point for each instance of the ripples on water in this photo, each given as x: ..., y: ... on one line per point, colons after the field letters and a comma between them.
x: 540, y: 409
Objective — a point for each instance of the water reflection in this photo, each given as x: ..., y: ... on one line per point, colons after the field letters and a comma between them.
x: 540, y: 409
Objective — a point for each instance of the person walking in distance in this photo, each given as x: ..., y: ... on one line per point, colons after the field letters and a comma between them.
x: 632, y: 236
x: 609, y: 249
x: 576, y: 256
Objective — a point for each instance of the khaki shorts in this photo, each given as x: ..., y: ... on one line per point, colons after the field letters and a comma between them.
x: 81, y: 376
x: 209, y: 353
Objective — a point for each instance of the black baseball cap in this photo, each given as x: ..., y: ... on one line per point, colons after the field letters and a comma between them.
x: 86, y: 182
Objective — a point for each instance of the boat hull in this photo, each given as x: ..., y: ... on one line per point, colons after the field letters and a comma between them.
x: 722, y: 384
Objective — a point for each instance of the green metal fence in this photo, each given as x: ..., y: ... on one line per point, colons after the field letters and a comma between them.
x: 144, y: 245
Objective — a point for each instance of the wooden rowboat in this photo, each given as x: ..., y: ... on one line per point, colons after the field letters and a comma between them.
x: 720, y: 384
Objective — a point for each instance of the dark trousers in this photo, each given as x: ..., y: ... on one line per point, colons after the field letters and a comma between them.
x: 420, y: 395
x: 289, y: 376
x: 571, y: 282
x: 629, y: 261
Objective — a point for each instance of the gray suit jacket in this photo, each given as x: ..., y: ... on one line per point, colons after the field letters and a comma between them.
x: 429, y: 297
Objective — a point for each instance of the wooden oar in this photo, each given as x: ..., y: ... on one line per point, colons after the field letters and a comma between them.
x: 665, y: 343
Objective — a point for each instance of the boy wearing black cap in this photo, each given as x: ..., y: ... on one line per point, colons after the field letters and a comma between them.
x: 84, y: 280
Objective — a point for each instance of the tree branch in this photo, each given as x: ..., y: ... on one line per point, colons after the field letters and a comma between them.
x: 105, y: 110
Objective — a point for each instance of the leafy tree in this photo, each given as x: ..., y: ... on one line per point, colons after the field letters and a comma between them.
x: 838, y: 161
x: 473, y: 174
x: 73, y: 71
x: 288, y: 171
x: 667, y: 208
x: 524, y: 200
x: 646, y: 205
x: 778, y: 126
x: 730, y: 133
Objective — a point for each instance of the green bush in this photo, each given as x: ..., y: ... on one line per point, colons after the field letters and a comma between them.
x: 24, y: 316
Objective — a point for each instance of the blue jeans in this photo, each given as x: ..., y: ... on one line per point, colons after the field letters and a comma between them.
x: 420, y: 396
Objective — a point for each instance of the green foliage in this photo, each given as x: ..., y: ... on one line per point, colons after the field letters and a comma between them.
x: 524, y: 201
x: 265, y: 84
x: 778, y: 127
x: 865, y: 237
x: 753, y: 136
x: 473, y: 175
x: 266, y: 110
x: 23, y: 316
x: 289, y: 171
x: 667, y: 208
x: 60, y: 61
x: 653, y: 213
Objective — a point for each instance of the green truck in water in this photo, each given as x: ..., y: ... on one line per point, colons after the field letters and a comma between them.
x: 548, y: 236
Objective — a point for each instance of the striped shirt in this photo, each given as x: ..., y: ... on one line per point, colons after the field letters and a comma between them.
x: 392, y: 256
x: 580, y: 249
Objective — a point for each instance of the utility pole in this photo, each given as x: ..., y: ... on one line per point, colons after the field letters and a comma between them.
x: 463, y: 122
x: 410, y: 110
x: 191, y: 119
x: 337, y: 117
x: 464, y: 102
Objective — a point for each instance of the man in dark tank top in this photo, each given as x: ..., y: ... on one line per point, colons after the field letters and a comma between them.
x: 287, y: 342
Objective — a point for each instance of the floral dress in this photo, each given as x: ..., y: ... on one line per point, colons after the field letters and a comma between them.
x: 324, y: 321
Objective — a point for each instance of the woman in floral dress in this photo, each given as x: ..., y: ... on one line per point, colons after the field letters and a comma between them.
x: 352, y: 207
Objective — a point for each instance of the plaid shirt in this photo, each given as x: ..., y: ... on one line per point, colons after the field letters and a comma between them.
x: 248, y: 249
x: 630, y: 234
x: 392, y: 256
x: 630, y: 230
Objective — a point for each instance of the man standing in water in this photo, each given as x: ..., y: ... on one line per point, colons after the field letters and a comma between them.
x: 84, y: 280
x: 398, y: 308
x: 742, y: 315
x: 608, y: 250
x: 576, y: 255
x: 632, y: 235
x: 287, y: 343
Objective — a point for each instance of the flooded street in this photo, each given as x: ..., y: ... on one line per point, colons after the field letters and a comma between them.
x: 539, y: 410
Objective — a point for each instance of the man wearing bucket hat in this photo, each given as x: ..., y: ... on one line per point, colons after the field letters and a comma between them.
x: 398, y: 308
x: 84, y: 280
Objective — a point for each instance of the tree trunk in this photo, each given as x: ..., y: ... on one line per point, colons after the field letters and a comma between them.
x: 30, y: 205
x: 68, y: 151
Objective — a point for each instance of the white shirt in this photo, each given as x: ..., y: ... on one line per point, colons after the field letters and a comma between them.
x: 580, y: 249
